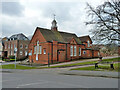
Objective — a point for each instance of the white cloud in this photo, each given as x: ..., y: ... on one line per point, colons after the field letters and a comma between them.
x: 70, y: 15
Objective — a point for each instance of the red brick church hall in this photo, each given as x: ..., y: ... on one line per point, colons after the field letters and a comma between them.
x: 56, y: 46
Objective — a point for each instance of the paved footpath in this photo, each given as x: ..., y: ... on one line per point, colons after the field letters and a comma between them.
x: 107, y: 74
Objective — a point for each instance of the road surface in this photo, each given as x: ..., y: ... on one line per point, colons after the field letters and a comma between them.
x: 51, y: 78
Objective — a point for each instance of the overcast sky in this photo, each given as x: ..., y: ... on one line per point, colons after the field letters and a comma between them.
x: 23, y: 16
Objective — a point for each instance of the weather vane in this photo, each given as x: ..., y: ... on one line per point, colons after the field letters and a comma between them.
x: 54, y: 16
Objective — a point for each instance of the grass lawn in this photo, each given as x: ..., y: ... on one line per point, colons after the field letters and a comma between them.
x: 86, y: 63
x: 112, y: 59
x: 101, y: 68
x: 12, y: 66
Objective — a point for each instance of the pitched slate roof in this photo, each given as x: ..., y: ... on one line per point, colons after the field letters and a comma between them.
x: 19, y: 36
x: 63, y: 37
x: 85, y: 38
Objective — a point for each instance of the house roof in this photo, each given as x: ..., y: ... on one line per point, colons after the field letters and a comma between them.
x: 64, y: 37
x: 85, y: 38
x: 19, y: 36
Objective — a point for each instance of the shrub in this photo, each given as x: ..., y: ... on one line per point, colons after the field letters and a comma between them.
x: 12, y: 57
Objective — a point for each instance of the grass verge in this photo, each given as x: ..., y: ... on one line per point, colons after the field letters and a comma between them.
x: 112, y: 59
x: 86, y: 63
x: 12, y: 66
x: 74, y: 64
x: 100, y: 68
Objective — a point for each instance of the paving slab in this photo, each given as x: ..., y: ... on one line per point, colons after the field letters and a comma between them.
x: 93, y: 73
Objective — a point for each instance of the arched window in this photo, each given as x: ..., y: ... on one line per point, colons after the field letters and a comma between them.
x: 79, y: 51
x: 71, y: 50
x: 74, y: 50
x: 40, y: 49
x: 37, y: 43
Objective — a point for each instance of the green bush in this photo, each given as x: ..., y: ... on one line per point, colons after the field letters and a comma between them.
x: 12, y: 57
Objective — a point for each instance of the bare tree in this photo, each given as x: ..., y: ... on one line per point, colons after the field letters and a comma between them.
x: 105, y: 20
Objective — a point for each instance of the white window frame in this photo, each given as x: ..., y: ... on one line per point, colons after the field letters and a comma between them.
x: 8, y: 46
x: 79, y: 51
x: 21, y: 52
x: 75, y: 51
x: 37, y: 49
x: 44, y: 51
x: 88, y: 43
x: 37, y: 43
x: 71, y: 50
x: 40, y: 49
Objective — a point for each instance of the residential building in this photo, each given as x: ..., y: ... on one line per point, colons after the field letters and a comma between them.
x: 20, y: 43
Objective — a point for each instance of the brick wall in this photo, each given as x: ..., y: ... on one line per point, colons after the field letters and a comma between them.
x: 58, y: 52
x: 42, y: 58
x: 11, y: 45
x: 86, y: 53
x: 96, y: 53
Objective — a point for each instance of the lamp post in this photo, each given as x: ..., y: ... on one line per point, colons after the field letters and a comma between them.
x: 48, y: 61
x: 15, y: 51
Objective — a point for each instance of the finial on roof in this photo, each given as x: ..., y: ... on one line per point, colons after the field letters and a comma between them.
x: 54, y: 16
